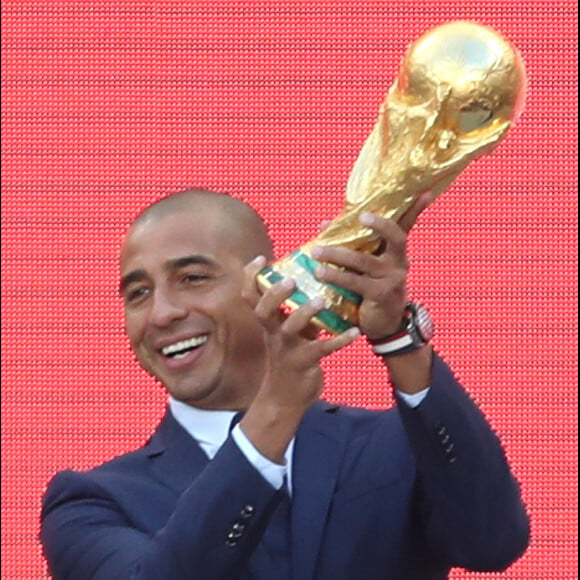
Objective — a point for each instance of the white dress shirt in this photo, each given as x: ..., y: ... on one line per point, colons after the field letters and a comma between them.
x: 211, y: 429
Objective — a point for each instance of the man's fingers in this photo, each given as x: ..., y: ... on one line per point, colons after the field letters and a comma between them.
x: 250, y: 290
x: 394, y: 237
x: 268, y: 307
x: 330, y: 345
x: 344, y: 258
x: 299, y: 320
x: 355, y: 282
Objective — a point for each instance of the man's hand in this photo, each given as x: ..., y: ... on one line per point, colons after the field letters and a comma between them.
x: 293, y: 378
x: 380, y: 279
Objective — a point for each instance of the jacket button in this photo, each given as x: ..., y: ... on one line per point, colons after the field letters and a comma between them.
x: 440, y: 430
x: 235, y: 534
x: 247, y: 511
x: 232, y: 539
x: 451, y: 455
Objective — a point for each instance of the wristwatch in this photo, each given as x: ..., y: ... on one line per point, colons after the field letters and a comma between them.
x: 416, y: 330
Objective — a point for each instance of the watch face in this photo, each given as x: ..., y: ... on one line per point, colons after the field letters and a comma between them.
x: 423, y: 323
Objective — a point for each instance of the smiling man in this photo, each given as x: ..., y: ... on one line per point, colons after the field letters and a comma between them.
x: 182, y: 270
x: 299, y: 488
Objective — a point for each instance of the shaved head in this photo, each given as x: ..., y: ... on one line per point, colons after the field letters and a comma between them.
x: 183, y: 272
x: 240, y: 221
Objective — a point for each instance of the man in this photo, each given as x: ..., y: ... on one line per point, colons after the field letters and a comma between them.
x: 299, y: 488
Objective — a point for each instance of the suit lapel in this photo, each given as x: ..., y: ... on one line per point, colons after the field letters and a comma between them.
x: 177, y: 458
x: 317, y: 457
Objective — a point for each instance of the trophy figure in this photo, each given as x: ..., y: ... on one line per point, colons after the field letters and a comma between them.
x: 459, y: 88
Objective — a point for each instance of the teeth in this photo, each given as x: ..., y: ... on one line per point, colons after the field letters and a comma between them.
x: 183, y: 345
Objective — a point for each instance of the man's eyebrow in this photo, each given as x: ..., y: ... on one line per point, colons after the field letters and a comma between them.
x: 194, y: 259
x: 134, y: 276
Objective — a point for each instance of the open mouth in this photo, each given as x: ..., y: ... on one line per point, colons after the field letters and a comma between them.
x: 182, y: 348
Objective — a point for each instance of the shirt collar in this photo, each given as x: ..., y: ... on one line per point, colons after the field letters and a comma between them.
x: 208, y: 428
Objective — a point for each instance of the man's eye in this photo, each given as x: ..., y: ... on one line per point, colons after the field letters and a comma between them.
x: 136, y: 294
x: 194, y: 278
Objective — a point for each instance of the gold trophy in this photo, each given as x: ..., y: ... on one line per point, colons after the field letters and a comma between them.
x: 459, y: 88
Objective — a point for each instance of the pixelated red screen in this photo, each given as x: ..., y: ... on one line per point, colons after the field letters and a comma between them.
x: 108, y: 105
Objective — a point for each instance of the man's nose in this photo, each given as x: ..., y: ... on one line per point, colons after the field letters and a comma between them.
x: 166, y: 308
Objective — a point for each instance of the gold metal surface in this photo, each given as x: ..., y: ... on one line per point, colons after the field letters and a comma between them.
x: 459, y: 88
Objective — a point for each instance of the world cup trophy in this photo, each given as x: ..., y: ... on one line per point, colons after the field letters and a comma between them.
x: 460, y: 87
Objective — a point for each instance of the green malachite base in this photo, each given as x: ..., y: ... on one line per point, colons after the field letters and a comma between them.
x: 302, y: 270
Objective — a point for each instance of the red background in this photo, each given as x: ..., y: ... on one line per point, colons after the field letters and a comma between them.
x: 109, y: 105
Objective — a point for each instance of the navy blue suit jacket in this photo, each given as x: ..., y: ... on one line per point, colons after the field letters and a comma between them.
x: 400, y: 494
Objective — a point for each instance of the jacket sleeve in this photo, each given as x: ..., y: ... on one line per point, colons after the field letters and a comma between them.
x: 471, y: 503
x: 86, y: 535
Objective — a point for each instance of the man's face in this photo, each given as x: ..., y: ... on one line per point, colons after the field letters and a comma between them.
x: 184, y: 313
